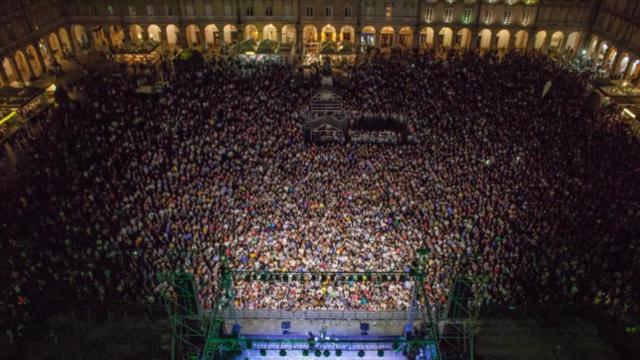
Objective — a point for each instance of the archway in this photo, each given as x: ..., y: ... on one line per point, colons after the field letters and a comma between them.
x: 43, y: 47
x: 328, y: 33
x: 211, y: 36
x: 56, y: 48
x: 230, y: 33
x: 557, y: 40
x: 503, y: 40
x: 463, y: 38
x: 33, y: 60
x: 270, y: 32
x: 309, y: 34
x: 386, y: 37
x: 117, y: 35
x: 80, y: 34
x: 608, y: 64
x: 172, y: 36
x: 289, y: 34
x: 368, y: 36
x: 135, y: 32
x: 11, y: 73
x: 446, y: 35
x: 573, y: 41
x: 155, y: 33
x: 521, y: 40
x: 347, y: 34
x: 251, y: 32
x: 634, y: 71
x: 193, y: 36
x: 99, y: 40
x: 405, y: 39
x: 64, y: 40
x: 485, y: 39
x: 541, y: 37
x: 621, y: 68
x: 426, y: 37
x: 23, y: 68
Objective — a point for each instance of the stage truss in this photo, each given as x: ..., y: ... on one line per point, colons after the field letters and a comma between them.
x: 196, y: 334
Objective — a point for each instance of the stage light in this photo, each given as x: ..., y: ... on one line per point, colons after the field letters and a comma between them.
x: 318, y: 353
x: 283, y: 352
x: 360, y: 353
x: 338, y: 353
x: 249, y: 345
x: 395, y: 345
x: 305, y: 352
x: 326, y: 353
x: 380, y: 353
x: 263, y: 352
x: 263, y: 278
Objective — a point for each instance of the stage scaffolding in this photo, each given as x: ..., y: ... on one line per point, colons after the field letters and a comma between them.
x: 197, y: 334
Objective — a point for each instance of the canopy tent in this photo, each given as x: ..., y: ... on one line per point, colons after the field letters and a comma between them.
x: 245, y: 46
x: 267, y: 47
x: 328, y: 48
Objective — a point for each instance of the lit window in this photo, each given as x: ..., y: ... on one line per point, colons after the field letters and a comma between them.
x: 388, y: 11
x: 328, y: 11
x: 507, y: 16
x: 525, y: 17
x: 488, y: 16
x: 268, y: 10
x: 448, y: 14
x: 208, y: 10
x: 189, y: 10
x: 309, y: 10
x: 347, y: 11
x: 249, y: 10
x: 132, y: 10
x: 466, y: 16
x: 428, y: 15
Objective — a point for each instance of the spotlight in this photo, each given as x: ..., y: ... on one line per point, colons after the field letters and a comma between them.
x: 380, y: 353
x: 283, y: 352
x: 326, y: 353
x: 318, y: 353
x: 285, y: 326
x: 360, y: 353
x: 263, y: 352
x: 338, y: 353
x: 364, y: 328
x: 305, y: 352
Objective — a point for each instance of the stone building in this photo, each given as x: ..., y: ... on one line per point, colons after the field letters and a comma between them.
x: 35, y: 32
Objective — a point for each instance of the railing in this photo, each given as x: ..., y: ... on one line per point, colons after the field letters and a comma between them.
x: 400, y: 315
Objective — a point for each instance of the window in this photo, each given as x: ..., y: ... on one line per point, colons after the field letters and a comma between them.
x: 368, y: 8
x: 388, y: 11
x: 428, y: 15
x: 132, y: 10
x: 408, y: 10
x: 249, y: 10
x: 506, y: 19
x: 309, y: 10
x: 488, y: 16
x: 268, y: 10
x: 110, y: 9
x: 208, y: 10
x: 287, y: 9
x: 189, y: 10
x: 466, y: 16
x: 167, y: 10
x: 150, y: 10
x: 347, y: 11
x: 328, y: 11
x: 525, y: 17
x: 448, y: 14
x: 227, y: 9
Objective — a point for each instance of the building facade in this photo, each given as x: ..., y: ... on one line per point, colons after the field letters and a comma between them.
x: 38, y: 31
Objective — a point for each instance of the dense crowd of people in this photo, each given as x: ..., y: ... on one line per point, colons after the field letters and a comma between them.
x: 534, y: 198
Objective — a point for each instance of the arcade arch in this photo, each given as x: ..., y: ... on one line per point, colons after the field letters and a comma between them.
x: 328, y: 33
x: 289, y: 34
x: 426, y: 37
x: 368, y: 36
x: 155, y: 33
x: 503, y: 39
x: 270, y: 32
x: 251, y: 32
x: 347, y: 34
x: 230, y: 33
x: 446, y: 35
x: 405, y: 37
x: 193, y: 36
x: 309, y: 34
x: 541, y: 37
x: 485, y: 39
x: 522, y: 38
x: 464, y: 38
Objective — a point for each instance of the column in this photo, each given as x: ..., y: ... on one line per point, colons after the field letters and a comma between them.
x: 126, y: 33
x: 201, y: 38
x: 29, y: 65
x: 415, y: 38
x: 299, y: 40
x: 494, y: 41
x: 40, y: 58
x: 545, y: 45
x: 512, y: 43
x: 531, y: 41
x: 47, y: 45
x: 436, y: 38
x: 74, y: 41
x: 16, y: 70
x: 358, y: 41
x: 182, y: 37
x: 614, y: 63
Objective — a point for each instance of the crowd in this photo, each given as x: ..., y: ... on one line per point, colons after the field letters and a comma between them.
x: 537, y: 199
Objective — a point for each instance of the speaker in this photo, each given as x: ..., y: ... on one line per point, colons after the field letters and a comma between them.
x: 285, y: 326
x: 364, y: 328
